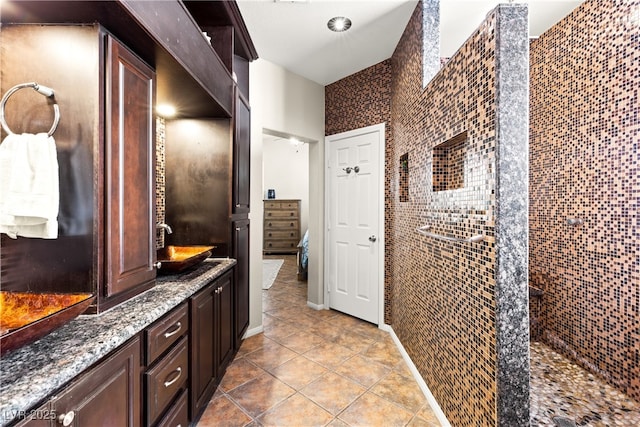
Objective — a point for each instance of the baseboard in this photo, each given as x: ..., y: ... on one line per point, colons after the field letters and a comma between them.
x: 315, y: 306
x: 252, y: 332
x: 423, y: 385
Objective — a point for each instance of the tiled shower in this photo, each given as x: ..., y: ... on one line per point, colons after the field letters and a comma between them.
x: 585, y: 198
x: 443, y: 300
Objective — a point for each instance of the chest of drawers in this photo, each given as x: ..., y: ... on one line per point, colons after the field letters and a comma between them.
x: 281, y: 226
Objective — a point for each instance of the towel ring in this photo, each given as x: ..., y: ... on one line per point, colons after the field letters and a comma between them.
x: 46, y: 91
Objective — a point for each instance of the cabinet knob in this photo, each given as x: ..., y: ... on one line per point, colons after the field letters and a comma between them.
x: 292, y: 224
x: 270, y: 234
x: 66, y: 419
x: 269, y: 214
x: 291, y: 214
x: 157, y: 264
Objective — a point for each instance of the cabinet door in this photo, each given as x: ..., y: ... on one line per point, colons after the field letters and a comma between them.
x: 241, y: 279
x: 241, y: 155
x: 202, y: 349
x: 108, y: 395
x: 224, y: 308
x: 129, y: 171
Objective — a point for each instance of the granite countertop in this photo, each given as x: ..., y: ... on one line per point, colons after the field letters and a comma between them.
x: 32, y: 373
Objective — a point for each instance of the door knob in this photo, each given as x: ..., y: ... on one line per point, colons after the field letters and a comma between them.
x: 356, y: 169
x: 372, y: 238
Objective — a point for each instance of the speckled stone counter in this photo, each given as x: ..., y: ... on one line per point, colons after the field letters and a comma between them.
x: 32, y: 373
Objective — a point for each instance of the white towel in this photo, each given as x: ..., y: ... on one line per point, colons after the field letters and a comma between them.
x: 29, y: 186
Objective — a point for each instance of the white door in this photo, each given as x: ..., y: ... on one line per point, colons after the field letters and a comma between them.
x: 354, y: 216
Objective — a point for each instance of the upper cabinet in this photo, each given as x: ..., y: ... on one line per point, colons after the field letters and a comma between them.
x: 241, y: 155
x: 106, y: 153
x: 129, y: 171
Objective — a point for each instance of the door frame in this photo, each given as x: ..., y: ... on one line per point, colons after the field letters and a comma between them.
x: 380, y: 128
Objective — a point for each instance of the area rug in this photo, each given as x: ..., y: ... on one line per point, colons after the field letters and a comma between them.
x: 270, y: 268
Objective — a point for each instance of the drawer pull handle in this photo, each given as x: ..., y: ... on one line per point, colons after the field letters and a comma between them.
x: 173, y: 380
x: 66, y: 419
x: 176, y: 328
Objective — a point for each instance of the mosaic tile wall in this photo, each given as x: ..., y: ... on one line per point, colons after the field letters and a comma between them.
x: 160, y: 179
x: 364, y: 99
x: 443, y: 306
x: 442, y: 299
x: 585, y: 129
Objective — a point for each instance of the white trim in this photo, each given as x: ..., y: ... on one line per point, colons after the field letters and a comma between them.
x: 416, y: 375
x: 380, y: 128
x: 316, y: 306
x: 252, y: 332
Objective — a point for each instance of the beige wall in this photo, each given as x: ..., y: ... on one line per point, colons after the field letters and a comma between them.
x: 285, y: 102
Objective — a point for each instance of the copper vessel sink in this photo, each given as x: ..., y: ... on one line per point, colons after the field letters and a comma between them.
x: 26, y: 317
x: 174, y: 259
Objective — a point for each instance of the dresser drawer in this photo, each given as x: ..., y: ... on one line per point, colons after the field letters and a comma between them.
x: 271, y: 205
x: 282, y: 224
x: 165, y: 380
x: 280, y: 235
x: 276, y: 245
x: 178, y: 415
x: 285, y: 213
x: 163, y: 333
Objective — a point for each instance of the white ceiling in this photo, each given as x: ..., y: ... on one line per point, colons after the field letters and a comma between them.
x: 294, y: 34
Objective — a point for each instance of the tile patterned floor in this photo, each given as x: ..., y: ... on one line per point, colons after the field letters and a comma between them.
x: 561, y: 388
x: 315, y: 368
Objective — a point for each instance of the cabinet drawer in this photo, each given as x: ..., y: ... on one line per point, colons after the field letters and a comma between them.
x: 289, y: 205
x: 282, y: 224
x: 178, y: 415
x: 281, y: 214
x: 273, y: 235
x: 272, y: 205
x: 166, y: 379
x: 163, y: 333
x: 280, y: 244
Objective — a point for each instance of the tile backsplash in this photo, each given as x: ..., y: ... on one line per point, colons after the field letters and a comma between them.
x: 160, y: 179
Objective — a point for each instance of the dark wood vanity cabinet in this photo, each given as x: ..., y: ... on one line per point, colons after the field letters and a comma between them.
x: 211, y: 339
x: 107, y: 395
x: 129, y: 173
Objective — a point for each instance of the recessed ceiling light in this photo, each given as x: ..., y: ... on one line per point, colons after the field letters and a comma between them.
x: 339, y: 24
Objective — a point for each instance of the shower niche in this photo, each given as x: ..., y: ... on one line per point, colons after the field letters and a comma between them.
x: 448, y: 163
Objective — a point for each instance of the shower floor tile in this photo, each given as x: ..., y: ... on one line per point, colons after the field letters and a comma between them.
x: 561, y: 388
